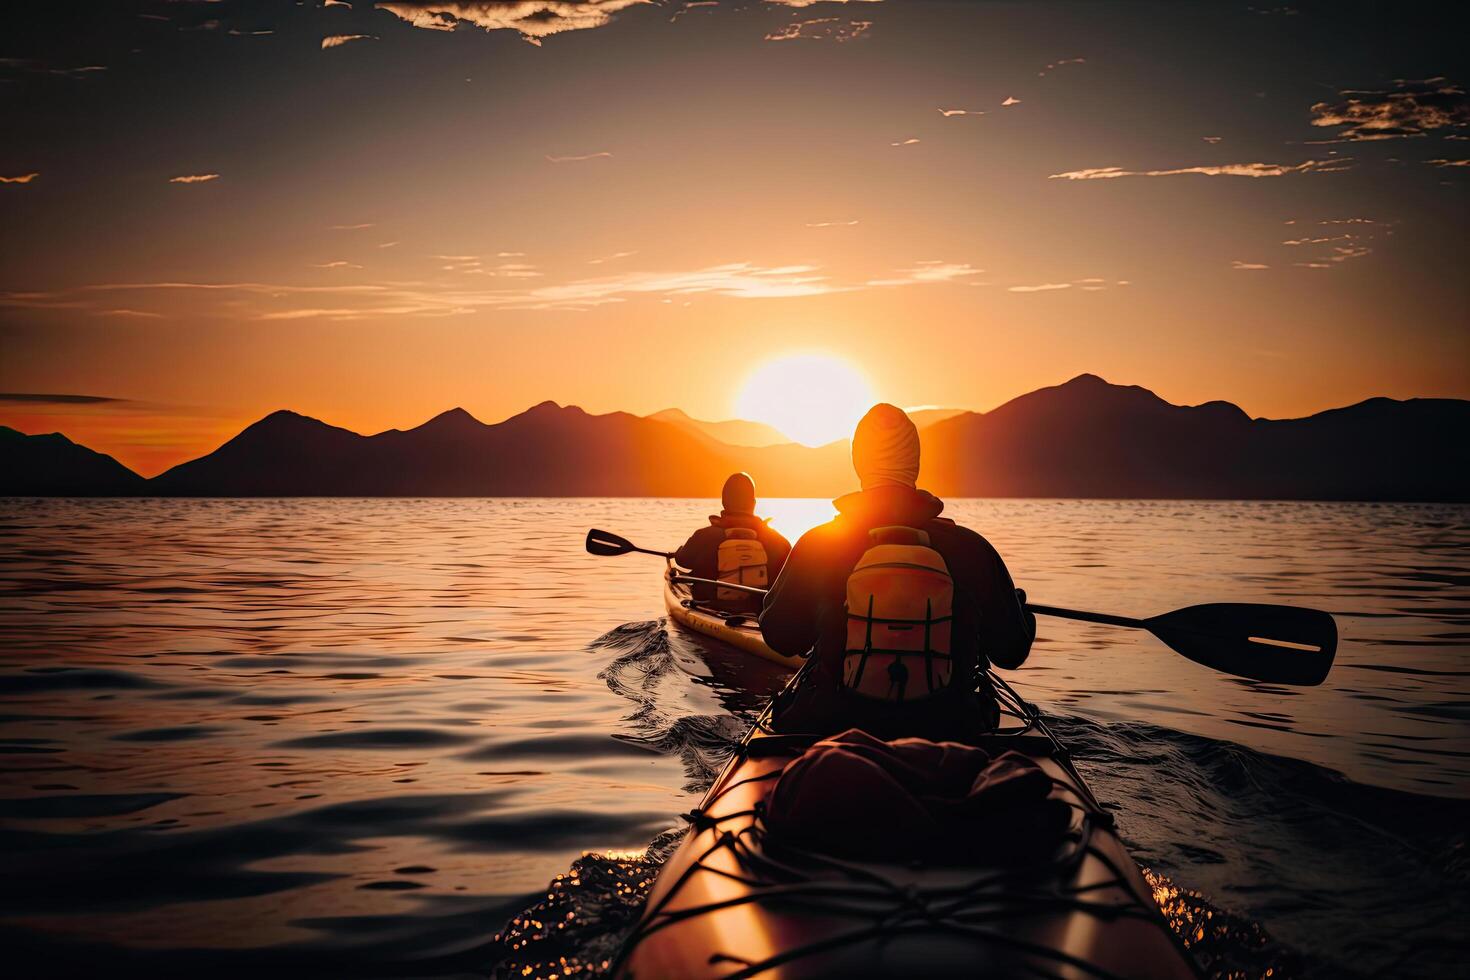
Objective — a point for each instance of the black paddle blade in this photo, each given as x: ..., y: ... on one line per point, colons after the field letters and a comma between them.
x: 1276, y: 644
x: 606, y: 543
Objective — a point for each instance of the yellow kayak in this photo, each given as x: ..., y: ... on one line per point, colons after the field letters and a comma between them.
x: 738, y: 631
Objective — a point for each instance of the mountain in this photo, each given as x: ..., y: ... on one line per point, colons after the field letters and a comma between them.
x: 53, y: 466
x: 735, y: 432
x: 548, y: 450
x: 925, y: 417
x: 1085, y: 438
x: 1089, y: 438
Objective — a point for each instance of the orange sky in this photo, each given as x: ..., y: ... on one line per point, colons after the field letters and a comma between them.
x: 637, y: 211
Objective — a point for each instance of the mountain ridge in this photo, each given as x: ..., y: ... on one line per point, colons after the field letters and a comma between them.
x: 1082, y: 438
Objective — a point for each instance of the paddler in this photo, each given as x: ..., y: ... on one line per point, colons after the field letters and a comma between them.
x: 737, y: 547
x: 902, y: 608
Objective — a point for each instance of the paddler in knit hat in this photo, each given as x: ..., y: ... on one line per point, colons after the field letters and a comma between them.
x: 700, y: 554
x: 807, y: 611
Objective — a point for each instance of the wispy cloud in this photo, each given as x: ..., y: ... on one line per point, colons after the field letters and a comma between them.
x: 1432, y: 163
x: 1220, y: 170
x: 1212, y: 140
x: 929, y: 270
x: 1248, y: 266
x: 20, y: 178
x: 337, y: 40
x: 947, y: 113
x: 533, y: 20
x: 1057, y: 64
x: 831, y: 224
x: 338, y: 264
x: 1092, y: 284
x: 812, y: 3
x: 1410, y: 108
x: 1011, y: 100
x: 388, y: 244
x: 358, y: 227
x: 137, y: 314
x: 822, y: 29
x: 908, y: 142
x: 193, y: 178
x: 602, y: 259
x: 573, y: 158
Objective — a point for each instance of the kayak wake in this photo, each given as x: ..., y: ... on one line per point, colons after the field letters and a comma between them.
x: 1212, y: 814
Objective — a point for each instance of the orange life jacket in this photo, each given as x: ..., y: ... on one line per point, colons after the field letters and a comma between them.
x: 742, y: 561
x: 900, y: 600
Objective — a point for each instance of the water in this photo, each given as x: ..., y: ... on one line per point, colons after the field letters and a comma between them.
x: 359, y: 736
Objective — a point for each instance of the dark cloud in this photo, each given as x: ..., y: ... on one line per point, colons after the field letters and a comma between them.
x: 1410, y: 108
x: 27, y: 398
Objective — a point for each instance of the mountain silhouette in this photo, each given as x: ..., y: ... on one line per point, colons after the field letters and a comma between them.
x: 53, y: 465
x: 1089, y: 438
x: 1084, y: 438
x: 735, y: 432
x: 548, y: 450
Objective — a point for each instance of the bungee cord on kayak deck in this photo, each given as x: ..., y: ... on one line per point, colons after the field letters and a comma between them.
x: 776, y: 871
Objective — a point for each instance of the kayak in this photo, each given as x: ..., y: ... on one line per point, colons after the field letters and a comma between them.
x: 738, y: 631
x: 731, y: 902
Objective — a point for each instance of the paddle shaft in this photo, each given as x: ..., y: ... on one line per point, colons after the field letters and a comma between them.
x: 683, y: 579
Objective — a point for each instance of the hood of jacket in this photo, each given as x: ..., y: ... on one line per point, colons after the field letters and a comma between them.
x: 878, y: 506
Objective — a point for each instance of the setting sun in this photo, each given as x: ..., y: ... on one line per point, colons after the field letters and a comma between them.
x: 812, y: 398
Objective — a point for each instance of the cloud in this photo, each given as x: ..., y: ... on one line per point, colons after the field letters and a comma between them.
x: 339, y: 264
x: 1248, y: 266
x: 1212, y: 140
x: 387, y: 244
x: 26, y: 398
x: 831, y: 224
x: 337, y: 3
x: 533, y: 20
x: 1044, y: 287
x: 193, y: 178
x: 930, y: 270
x: 20, y: 178
x: 601, y: 259
x: 139, y: 314
x: 337, y: 40
x: 1410, y: 108
x: 1432, y: 163
x: 1092, y: 284
x: 1057, y: 64
x: 821, y: 29
x: 600, y: 154
x: 1222, y: 170
x: 946, y: 113
x: 1011, y: 100
x: 812, y: 3
x: 908, y: 142
x: 365, y: 224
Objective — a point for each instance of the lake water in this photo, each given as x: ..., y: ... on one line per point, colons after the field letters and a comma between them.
x: 356, y: 737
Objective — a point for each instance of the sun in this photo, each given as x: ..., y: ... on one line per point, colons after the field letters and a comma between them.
x: 813, y: 399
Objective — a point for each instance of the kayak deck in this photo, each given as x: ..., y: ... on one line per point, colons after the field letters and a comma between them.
x: 737, y: 630
x: 733, y: 902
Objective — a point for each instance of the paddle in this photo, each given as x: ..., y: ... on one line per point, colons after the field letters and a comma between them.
x: 607, y: 544
x: 1271, y: 643
x: 1277, y: 644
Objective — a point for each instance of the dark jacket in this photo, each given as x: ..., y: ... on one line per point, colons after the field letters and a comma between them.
x: 701, y: 553
x: 804, y: 609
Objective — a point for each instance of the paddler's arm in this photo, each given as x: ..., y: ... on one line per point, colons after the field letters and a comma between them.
x: 789, y: 619
x: 1006, y: 628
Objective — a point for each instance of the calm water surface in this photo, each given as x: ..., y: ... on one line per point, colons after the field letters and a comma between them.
x: 356, y: 736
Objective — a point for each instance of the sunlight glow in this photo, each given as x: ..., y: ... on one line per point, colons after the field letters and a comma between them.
x: 812, y: 398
